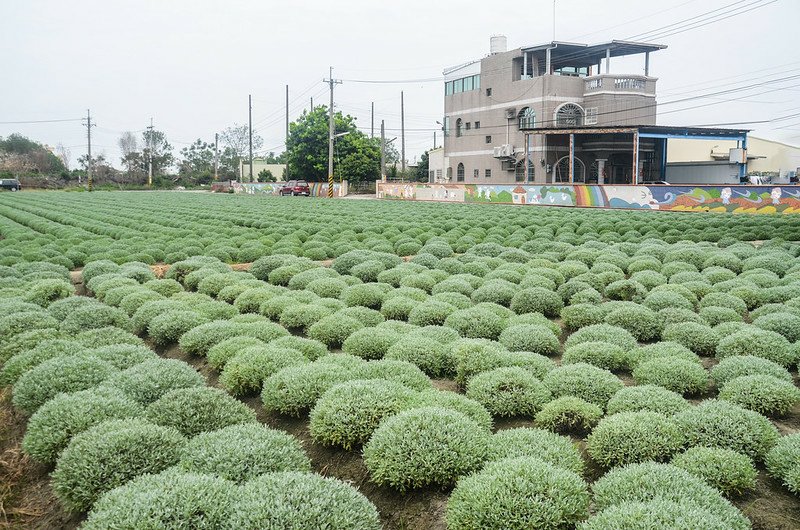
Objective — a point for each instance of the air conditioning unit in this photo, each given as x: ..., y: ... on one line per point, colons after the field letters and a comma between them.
x: 497, y: 152
x: 511, y: 113
x: 503, y: 151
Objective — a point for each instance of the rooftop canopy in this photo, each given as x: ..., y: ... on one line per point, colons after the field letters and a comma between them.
x: 577, y: 54
x: 649, y: 131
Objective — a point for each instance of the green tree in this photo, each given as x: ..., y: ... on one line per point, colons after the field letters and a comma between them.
x: 271, y: 158
x: 21, y: 156
x: 236, y: 140
x: 265, y: 175
x: 356, y: 156
x: 197, y: 163
x: 422, y: 168
x: 155, y: 141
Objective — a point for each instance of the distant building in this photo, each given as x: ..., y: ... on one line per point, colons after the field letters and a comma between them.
x: 260, y: 164
x: 436, y: 165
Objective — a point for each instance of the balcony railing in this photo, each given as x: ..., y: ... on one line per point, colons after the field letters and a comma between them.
x: 619, y: 83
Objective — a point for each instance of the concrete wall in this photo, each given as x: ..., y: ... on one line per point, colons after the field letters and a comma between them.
x: 258, y: 166
x: 318, y: 189
x: 735, y: 199
x: 702, y: 173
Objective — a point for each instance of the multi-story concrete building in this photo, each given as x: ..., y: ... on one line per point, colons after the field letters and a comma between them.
x: 498, y: 109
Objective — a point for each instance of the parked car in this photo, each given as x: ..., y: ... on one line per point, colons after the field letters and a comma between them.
x: 10, y: 184
x: 295, y: 187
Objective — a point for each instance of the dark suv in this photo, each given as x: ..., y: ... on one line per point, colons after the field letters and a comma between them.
x: 10, y: 184
x: 295, y: 187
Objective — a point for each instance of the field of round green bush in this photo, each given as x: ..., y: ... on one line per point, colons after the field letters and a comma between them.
x: 199, y: 409
x: 508, y: 392
x: 631, y: 437
x: 726, y: 470
x: 783, y: 462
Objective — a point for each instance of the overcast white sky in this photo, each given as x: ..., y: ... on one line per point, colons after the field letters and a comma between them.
x: 190, y: 64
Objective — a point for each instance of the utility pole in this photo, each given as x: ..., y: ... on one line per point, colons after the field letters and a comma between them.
x: 150, y: 155
x: 402, y: 134
x: 434, y: 139
x: 216, y: 156
x: 286, y: 142
x: 250, y: 121
x: 331, y: 132
x: 312, y: 104
x: 89, y: 150
x: 372, y: 121
x: 383, y: 153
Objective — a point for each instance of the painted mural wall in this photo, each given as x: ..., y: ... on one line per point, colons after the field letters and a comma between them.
x: 317, y: 189
x: 715, y: 198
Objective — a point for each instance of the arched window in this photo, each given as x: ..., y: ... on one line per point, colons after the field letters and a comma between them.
x: 460, y: 172
x: 459, y: 128
x: 527, y: 118
x: 569, y: 115
x: 519, y: 171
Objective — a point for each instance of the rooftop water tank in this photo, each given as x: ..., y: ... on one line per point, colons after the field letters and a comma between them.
x: 497, y: 44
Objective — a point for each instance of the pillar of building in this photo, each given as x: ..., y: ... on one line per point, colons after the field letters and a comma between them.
x: 601, y: 167
x: 571, y: 158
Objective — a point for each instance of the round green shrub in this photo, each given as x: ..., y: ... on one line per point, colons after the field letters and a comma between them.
x: 60, y: 374
x: 581, y: 315
x: 759, y: 343
x: 658, y: 300
x: 496, y: 291
x: 45, y: 292
x: 642, y: 322
x: 476, y: 323
x: 55, y: 423
x: 311, y: 349
x: 764, y: 394
x: 552, y: 448
x: 784, y: 323
x: 699, y: 338
x: 425, y: 447
x: 402, y: 372
x: 13, y: 324
x: 302, y: 316
x: 650, y: 398
x: 629, y: 437
x: 21, y: 363
x: 537, y: 300
x: 431, y: 356
x: 676, y: 315
x: 537, y: 319
x: 334, y: 330
x: 714, y: 315
x: 242, y: 452
x: 726, y: 300
x: 440, y: 334
x: 657, y: 513
x: 148, y: 381
x: 198, y: 409
x: 327, y: 287
x: 660, y: 350
x: 369, y: 295
x: 730, y: 368
x: 728, y: 471
x: 717, y: 423
x: 294, y: 390
x: 164, y: 287
x: 569, y: 414
x: 168, y: 327
x: 93, y: 317
x: 629, y: 290
x: 224, y: 351
x: 584, y: 381
x: 284, y: 500
x: 170, y: 499
x: 509, y: 392
x: 457, y: 402
x: 651, y: 481
x: 603, y: 333
x: 430, y: 313
x: 679, y: 375
x: 400, y: 307
x: 783, y: 462
x: 245, y: 372
x: 110, y: 454
x: 518, y: 493
x: 348, y: 413
x: 601, y: 354
x: 530, y: 338
x: 109, y: 336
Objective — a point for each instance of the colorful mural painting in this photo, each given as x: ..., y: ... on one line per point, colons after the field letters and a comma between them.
x: 713, y: 198
x: 317, y: 189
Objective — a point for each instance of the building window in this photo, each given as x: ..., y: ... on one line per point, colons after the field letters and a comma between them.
x: 448, y: 88
x: 460, y: 172
x: 467, y: 126
x: 477, y: 125
x: 591, y: 116
x: 519, y: 171
x: 468, y: 83
x: 489, y: 92
x: 449, y: 173
x: 527, y: 118
x: 488, y: 173
x: 569, y: 115
x: 488, y: 139
x: 458, y: 85
x: 439, y: 174
x: 475, y: 173
x: 446, y: 126
x: 459, y: 125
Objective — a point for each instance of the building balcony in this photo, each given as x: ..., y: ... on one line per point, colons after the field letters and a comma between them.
x: 619, y: 84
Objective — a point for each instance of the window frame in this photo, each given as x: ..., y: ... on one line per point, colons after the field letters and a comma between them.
x: 460, y: 172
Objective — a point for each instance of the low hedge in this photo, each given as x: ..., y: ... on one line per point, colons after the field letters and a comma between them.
x: 726, y: 470
x: 647, y: 398
x: 110, y: 454
x: 783, y: 462
x: 508, y: 392
x: 242, y: 452
x: 764, y: 394
x: 630, y: 437
x: 198, y: 409
x: 425, y: 447
x: 584, y: 381
x: 284, y: 500
x: 679, y: 375
x: 717, y: 423
x: 552, y: 448
x: 569, y: 414
x: 518, y: 493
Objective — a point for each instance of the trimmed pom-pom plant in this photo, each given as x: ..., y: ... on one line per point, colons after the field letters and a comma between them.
x: 476, y: 323
x: 569, y: 414
x: 643, y: 323
x: 764, y: 394
x: 291, y: 499
x: 334, y: 330
x: 601, y: 354
x: 783, y: 462
x: 148, y: 381
x: 110, y: 454
x: 554, y: 449
x: 242, y: 452
x: 628, y: 437
x: 245, y: 372
x: 657, y: 513
x: 647, y: 398
x: 431, y: 356
x: 224, y: 351
x: 603, y: 333
x: 198, y: 409
x: 726, y: 470
x: 510, y: 391
x: 699, y: 338
x: 757, y: 342
x: 370, y: 343
x: 518, y: 493
x: 738, y: 365
x: 425, y: 447
x: 294, y: 390
x: 531, y: 338
x: 537, y: 300
x: 679, y: 375
x: 584, y: 381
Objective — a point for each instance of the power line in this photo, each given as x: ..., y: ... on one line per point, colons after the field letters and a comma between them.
x: 39, y: 121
